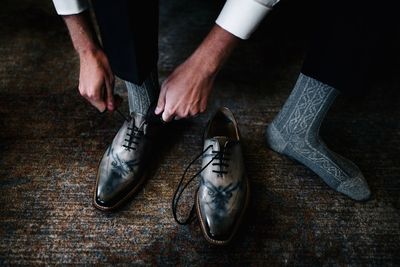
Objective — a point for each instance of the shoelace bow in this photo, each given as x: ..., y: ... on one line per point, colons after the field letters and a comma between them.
x: 217, y: 155
x: 134, y: 134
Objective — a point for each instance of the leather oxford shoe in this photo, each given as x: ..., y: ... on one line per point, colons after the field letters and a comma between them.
x: 123, y: 168
x: 223, y: 194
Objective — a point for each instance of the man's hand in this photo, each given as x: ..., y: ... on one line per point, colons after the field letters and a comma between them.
x: 185, y: 92
x: 96, y: 80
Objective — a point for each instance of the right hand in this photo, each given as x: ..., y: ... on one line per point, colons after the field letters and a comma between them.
x: 96, y: 80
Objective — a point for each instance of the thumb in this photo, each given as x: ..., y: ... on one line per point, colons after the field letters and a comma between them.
x: 96, y: 100
x: 99, y: 105
x: 161, y: 100
x: 167, y: 116
x: 109, y: 95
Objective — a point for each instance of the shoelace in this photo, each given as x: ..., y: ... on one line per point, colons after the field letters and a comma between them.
x: 134, y: 134
x: 134, y: 137
x: 222, y: 159
x: 220, y: 156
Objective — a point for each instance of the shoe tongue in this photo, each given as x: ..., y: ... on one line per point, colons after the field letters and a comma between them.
x: 221, y: 140
x: 138, y: 119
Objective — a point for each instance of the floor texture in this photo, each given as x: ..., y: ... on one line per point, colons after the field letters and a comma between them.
x: 51, y: 142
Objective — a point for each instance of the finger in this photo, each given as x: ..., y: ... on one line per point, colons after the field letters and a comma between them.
x: 194, y: 113
x: 161, y: 100
x: 100, y: 105
x: 110, y: 76
x: 95, y: 98
x: 167, y: 116
x: 109, y: 97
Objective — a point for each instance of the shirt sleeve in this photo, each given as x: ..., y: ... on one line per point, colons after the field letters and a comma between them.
x: 242, y: 17
x: 70, y: 7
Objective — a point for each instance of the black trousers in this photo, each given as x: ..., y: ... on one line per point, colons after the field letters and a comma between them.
x: 129, y: 33
x: 351, y: 39
x: 348, y: 38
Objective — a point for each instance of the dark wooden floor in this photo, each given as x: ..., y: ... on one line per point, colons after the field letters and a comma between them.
x: 51, y: 141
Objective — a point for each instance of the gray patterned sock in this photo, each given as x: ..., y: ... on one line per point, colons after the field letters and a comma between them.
x: 142, y: 96
x: 295, y: 133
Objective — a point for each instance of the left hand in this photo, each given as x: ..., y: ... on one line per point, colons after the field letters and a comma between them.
x: 186, y: 91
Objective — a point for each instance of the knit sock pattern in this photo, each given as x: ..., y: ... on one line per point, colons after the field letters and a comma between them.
x: 295, y: 133
x: 140, y: 97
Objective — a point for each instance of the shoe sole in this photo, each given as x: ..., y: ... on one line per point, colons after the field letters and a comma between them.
x: 236, y: 227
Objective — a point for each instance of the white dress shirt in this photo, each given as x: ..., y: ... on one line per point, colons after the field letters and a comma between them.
x: 70, y: 7
x: 239, y: 17
x: 242, y: 17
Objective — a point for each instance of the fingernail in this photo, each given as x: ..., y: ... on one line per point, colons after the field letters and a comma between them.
x: 157, y: 110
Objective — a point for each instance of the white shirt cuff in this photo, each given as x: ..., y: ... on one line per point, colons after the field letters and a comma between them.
x: 70, y: 7
x: 242, y: 17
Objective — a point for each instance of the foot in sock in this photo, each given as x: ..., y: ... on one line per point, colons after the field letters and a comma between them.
x: 295, y: 133
x: 142, y: 96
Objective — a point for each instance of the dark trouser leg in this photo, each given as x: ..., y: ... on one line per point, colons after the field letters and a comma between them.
x: 129, y: 32
x: 346, y: 43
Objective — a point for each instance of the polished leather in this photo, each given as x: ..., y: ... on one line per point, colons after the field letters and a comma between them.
x: 223, y: 192
x: 122, y: 167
